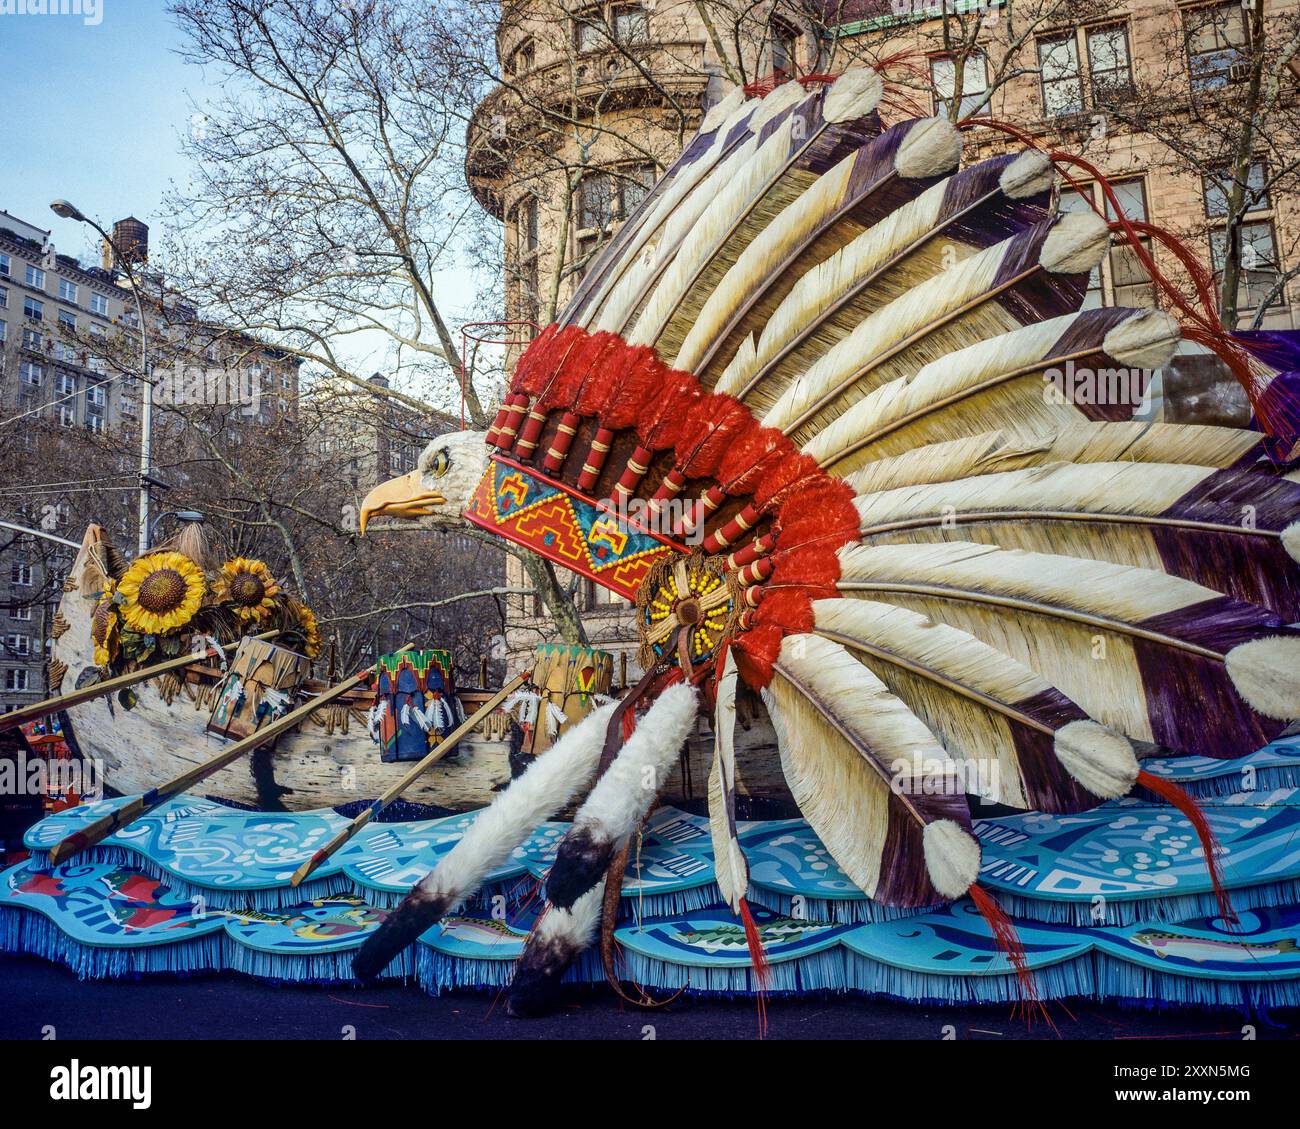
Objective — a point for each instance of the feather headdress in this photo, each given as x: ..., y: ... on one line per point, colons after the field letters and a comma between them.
x: 810, y: 410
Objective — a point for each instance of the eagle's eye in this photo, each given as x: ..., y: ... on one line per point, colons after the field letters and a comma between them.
x: 441, y: 463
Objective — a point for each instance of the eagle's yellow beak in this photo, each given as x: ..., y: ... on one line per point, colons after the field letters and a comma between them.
x: 400, y: 497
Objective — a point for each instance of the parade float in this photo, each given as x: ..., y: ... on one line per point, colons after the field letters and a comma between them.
x: 1030, y: 671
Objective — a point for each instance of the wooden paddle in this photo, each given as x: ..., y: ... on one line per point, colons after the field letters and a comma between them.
x: 444, y: 747
x: 108, y: 686
x: 142, y: 805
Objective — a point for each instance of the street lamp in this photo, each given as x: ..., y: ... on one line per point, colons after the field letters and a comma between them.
x: 67, y: 211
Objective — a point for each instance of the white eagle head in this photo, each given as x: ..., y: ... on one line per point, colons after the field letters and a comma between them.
x: 440, y: 486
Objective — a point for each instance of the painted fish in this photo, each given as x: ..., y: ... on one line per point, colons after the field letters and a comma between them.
x: 344, y: 924
x: 480, y: 930
x: 733, y: 936
x: 1203, y: 949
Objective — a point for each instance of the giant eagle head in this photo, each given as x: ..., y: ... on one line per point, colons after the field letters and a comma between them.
x: 440, y: 486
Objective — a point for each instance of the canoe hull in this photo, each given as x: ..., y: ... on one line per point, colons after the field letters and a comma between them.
x: 313, y: 767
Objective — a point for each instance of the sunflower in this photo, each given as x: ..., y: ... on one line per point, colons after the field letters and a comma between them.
x: 309, y: 627
x: 160, y: 592
x: 105, y: 627
x: 248, y: 586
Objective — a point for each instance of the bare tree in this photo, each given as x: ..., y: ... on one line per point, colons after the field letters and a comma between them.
x: 1220, y: 95
x: 329, y: 190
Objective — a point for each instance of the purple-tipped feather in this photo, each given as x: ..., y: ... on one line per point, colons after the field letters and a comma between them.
x: 1191, y: 702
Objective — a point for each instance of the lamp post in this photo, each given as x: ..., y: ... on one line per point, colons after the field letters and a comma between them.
x: 67, y: 211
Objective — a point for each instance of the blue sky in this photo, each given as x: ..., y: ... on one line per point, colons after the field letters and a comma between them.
x: 95, y: 116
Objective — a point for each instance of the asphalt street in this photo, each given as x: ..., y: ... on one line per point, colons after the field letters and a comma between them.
x: 36, y: 995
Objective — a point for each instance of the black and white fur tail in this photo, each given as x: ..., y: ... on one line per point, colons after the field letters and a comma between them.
x: 550, y: 783
x: 621, y: 797
x: 559, y: 939
x: 615, y: 809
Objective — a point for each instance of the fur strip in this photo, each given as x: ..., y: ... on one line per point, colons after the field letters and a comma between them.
x: 548, y: 785
x: 560, y: 937
x: 622, y: 797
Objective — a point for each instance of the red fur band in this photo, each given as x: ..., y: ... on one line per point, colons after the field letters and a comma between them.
x: 711, y: 435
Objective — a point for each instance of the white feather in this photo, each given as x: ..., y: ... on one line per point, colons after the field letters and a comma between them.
x: 853, y: 95
x: 550, y: 783
x: 555, y: 717
x: 829, y: 281
x: 1266, y: 673
x: 737, y: 194
x: 790, y: 229
x: 625, y: 791
x: 730, y: 868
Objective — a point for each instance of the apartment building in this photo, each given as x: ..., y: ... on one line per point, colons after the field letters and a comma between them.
x: 70, y: 388
x: 1106, y: 79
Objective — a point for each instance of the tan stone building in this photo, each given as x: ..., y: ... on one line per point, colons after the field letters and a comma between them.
x: 592, y: 103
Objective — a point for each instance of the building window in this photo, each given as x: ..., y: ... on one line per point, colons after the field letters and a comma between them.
x: 35, y: 277
x: 1058, y: 68
x: 1109, y: 74
x: 4, y: 298
x: 31, y: 373
x: 20, y: 645
x: 610, y: 197
x: 33, y: 309
x: 15, y: 680
x: 1259, y: 268
x: 67, y: 290
x: 66, y: 384
x: 974, y: 84
x: 594, y: 28
x: 784, y: 43
x: 22, y: 613
x: 1109, y: 67
x: 4, y: 336
x: 4, y: 265
x: 67, y: 415
x: 68, y: 321
x: 526, y: 225
x: 99, y: 305
x: 522, y: 58
x: 1258, y: 261
x: 1120, y: 279
x: 1217, y: 41
x: 631, y: 23
x: 595, y: 201
x: 1218, y: 187
x: 587, y: 34
x: 20, y: 573
x: 95, y: 423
